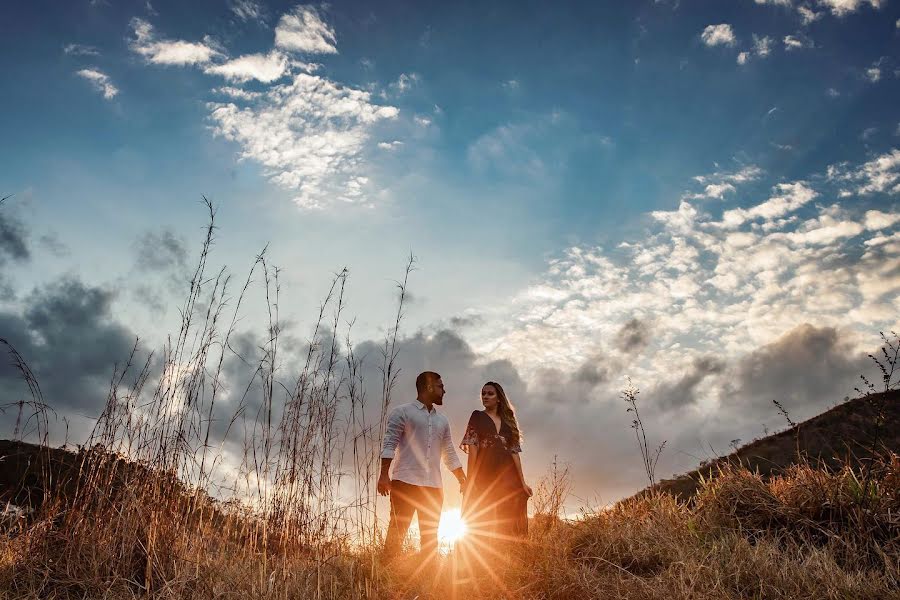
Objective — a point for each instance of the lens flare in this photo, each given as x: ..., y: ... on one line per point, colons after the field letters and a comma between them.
x: 451, y: 528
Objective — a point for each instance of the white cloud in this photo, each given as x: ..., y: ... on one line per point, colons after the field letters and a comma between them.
x: 881, y: 174
x: 511, y: 84
x: 238, y: 93
x: 303, y: 30
x: 170, y: 52
x: 789, y: 197
x: 390, y: 145
x: 873, y: 73
x: 309, y: 135
x: 422, y: 121
x: 877, y: 220
x: 262, y: 67
x: 718, y: 35
x: 762, y: 46
x: 808, y: 15
x: 247, y: 10
x: 80, y: 50
x: 797, y: 42
x: 840, y: 8
x: 743, y: 57
x: 776, y: 2
x: 707, y: 288
x: 100, y: 82
x: 717, y: 184
x: 404, y: 83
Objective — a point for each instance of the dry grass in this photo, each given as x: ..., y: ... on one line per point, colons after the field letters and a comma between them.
x: 806, y: 534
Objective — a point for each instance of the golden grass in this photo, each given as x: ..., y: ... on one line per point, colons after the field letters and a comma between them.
x: 806, y: 534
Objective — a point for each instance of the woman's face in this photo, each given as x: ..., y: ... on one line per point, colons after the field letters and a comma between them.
x: 489, y: 397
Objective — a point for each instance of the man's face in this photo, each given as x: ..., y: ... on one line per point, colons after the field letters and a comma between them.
x: 437, y: 391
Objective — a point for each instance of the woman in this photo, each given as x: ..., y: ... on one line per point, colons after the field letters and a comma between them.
x: 496, y: 495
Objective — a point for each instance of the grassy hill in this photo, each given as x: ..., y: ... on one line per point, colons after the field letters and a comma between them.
x: 841, y: 435
x: 781, y: 529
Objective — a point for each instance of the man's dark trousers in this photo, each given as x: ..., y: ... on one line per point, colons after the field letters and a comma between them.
x: 406, y: 500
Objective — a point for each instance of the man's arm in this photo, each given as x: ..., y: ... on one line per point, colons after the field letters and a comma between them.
x: 392, y: 433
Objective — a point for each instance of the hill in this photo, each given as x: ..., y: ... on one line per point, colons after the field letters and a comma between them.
x: 841, y: 434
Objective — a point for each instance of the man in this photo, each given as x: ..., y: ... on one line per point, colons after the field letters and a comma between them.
x: 416, y: 438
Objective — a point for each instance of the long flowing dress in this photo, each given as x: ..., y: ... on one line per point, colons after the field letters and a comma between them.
x: 496, y: 504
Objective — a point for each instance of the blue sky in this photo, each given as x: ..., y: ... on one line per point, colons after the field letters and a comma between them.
x: 711, y: 179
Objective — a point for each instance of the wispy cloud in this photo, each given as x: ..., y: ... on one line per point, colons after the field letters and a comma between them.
x: 303, y: 30
x: 309, y: 135
x: 100, y: 81
x: 718, y: 35
x: 840, y: 8
x: 247, y: 10
x: 80, y: 50
x: 170, y: 52
x: 879, y: 175
x: 797, y: 41
x: 404, y: 83
x: 262, y: 67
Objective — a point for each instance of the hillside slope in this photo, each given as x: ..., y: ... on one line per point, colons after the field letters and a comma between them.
x: 842, y: 433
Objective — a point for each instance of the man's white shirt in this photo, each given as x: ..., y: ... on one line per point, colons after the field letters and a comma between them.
x: 417, y: 439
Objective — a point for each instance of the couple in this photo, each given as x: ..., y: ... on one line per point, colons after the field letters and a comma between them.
x: 417, y: 438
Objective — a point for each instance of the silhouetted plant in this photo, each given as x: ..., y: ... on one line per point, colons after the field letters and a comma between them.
x: 649, y: 457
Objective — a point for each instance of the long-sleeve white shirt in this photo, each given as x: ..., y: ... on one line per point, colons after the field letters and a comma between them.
x: 417, y: 439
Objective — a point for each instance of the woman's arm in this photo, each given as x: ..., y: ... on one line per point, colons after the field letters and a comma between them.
x: 518, y: 462
x: 471, y: 470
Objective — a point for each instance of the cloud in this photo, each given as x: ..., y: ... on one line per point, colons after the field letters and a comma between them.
x: 303, y: 30
x: 170, y: 52
x: 808, y: 15
x: 800, y: 369
x: 634, y: 335
x: 99, y: 81
x: 238, y: 93
x: 68, y: 336
x: 743, y: 58
x: 309, y: 135
x: 873, y: 73
x: 404, y: 83
x: 390, y: 145
x: 80, y: 50
x: 718, y: 35
x: 247, y: 10
x: 790, y: 197
x: 840, y: 8
x: 776, y: 2
x: 714, y: 281
x: 797, y: 41
x: 13, y: 238
x: 159, y: 251
x: 879, y: 175
x: 762, y: 46
x: 743, y: 175
x: 682, y: 393
x: 262, y: 67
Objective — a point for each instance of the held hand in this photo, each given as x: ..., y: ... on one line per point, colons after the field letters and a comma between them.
x: 463, y: 484
x: 384, y: 484
x: 527, y: 489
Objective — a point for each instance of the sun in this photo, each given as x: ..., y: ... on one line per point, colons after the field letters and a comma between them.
x: 451, y: 528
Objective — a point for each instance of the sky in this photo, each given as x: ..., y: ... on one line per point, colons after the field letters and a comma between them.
x: 699, y: 195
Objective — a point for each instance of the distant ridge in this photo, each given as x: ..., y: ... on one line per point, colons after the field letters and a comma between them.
x: 843, y: 433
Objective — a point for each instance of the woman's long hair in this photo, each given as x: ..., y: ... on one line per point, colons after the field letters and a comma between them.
x: 506, y: 412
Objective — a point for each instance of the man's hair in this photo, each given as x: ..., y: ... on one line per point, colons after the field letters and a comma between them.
x: 424, y: 378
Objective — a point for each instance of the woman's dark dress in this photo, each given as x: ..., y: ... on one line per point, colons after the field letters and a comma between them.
x: 496, y: 503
